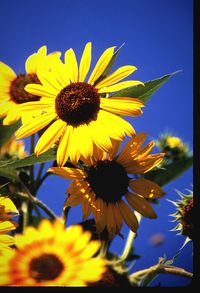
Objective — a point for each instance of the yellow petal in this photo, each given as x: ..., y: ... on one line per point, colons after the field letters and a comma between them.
x: 9, y: 205
x: 128, y: 215
x: 63, y: 148
x: 50, y: 136
x: 131, y: 147
x: 119, y: 86
x: 141, y: 205
x: 85, y: 62
x: 113, y: 121
x: 6, y: 240
x: 115, y: 147
x: 7, y: 72
x: 122, y: 106
x: 86, y: 209
x: 73, y: 200
x: 146, y: 188
x: 101, y: 65
x: 12, y: 116
x: 111, y: 224
x: 100, y: 214
x: 68, y: 173
x: 40, y: 90
x: 6, y: 226
x: 36, y: 124
x: 116, y: 76
x: 118, y: 218
x: 71, y: 63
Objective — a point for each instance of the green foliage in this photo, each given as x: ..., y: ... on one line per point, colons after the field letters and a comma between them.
x: 144, y: 92
x: 6, y: 131
x: 48, y: 156
x: 167, y: 173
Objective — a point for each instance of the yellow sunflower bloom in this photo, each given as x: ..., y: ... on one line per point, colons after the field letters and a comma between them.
x: 102, y: 187
x: 12, y: 93
x: 52, y: 256
x: 76, y: 113
x: 7, y: 211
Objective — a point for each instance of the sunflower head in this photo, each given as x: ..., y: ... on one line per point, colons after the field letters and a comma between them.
x: 111, y: 186
x: 52, y: 255
x: 174, y: 148
x: 184, y: 215
x: 12, y: 90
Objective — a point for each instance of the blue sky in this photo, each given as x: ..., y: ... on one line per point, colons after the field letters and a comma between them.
x: 158, y: 38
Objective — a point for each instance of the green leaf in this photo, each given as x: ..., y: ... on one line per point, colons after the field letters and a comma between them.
x: 6, y: 131
x: 107, y: 70
x: 9, y: 173
x: 169, y: 172
x: 49, y: 155
x: 144, y: 92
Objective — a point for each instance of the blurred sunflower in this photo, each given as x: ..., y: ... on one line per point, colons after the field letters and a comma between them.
x: 13, y: 149
x: 7, y: 210
x: 77, y: 111
x: 52, y: 256
x: 12, y: 93
x: 102, y: 184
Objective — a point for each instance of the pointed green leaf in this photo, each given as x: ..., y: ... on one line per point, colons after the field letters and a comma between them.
x: 144, y: 92
x: 6, y: 131
x: 169, y: 172
x: 49, y: 155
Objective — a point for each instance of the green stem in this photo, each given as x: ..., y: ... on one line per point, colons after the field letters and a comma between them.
x: 36, y: 201
x: 38, y: 179
x: 159, y: 269
x: 32, y: 145
x: 129, y: 241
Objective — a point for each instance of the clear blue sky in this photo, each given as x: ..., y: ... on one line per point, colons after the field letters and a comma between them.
x: 158, y: 36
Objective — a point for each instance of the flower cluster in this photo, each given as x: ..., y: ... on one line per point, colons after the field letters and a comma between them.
x: 76, y: 112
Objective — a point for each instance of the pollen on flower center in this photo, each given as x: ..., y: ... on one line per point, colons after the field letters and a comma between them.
x: 77, y: 103
x: 46, y: 267
x: 108, y: 180
x: 17, y: 92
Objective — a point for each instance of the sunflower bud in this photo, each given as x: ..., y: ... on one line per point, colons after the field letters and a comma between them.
x: 173, y: 147
x: 184, y: 215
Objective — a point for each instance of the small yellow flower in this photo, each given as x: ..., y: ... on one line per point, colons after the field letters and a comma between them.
x: 13, y: 149
x: 76, y: 112
x: 12, y: 93
x: 52, y: 256
x: 103, y: 186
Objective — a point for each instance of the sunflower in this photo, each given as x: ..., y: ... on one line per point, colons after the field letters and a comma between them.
x: 12, y: 93
x: 76, y: 113
x: 7, y: 210
x: 13, y: 149
x: 101, y: 185
x: 52, y: 255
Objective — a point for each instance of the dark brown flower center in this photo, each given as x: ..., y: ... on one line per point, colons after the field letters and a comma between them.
x: 77, y: 103
x: 46, y: 267
x: 17, y: 92
x: 108, y: 180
